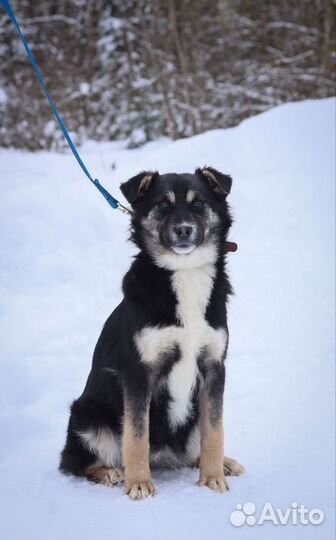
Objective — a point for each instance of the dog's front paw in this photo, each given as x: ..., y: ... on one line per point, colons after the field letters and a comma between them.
x: 216, y: 482
x: 140, y: 490
x: 232, y: 467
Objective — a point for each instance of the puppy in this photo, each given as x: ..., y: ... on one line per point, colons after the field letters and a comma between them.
x: 154, y: 396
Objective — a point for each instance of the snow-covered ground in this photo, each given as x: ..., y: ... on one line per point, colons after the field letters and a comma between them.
x: 63, y: 255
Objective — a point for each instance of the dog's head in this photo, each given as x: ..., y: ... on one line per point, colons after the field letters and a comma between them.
x: 180, y: 220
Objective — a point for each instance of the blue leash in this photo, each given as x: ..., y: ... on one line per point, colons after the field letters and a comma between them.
x: 111, y: 200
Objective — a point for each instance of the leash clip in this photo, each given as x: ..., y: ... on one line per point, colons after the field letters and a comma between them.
x: 124, y: 209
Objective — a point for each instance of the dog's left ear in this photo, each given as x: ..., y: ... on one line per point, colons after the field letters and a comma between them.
x: 219, y: 182
x: 137, y: 186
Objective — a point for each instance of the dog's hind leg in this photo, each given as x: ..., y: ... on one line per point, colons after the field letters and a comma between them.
x: 104, y: 475
x: 92, y: 449
x: 232, y: 467
x: 75, y: 458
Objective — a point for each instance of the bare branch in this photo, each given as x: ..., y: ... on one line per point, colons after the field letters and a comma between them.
x: 293, y: 26
x: 50, y: 19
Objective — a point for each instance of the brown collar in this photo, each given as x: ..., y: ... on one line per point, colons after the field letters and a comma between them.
x: 231, y: 246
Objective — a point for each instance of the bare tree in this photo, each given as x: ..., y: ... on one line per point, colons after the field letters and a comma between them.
x: 139, y: 69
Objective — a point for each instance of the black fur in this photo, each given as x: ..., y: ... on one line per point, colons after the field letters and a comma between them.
x: 117, y: 372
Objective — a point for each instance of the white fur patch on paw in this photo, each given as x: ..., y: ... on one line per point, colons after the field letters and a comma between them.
x: 218, y: 483
x: 140, y: 490
x: 232, y: 467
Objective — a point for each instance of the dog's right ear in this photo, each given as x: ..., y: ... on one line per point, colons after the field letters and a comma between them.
x: 137, y: 186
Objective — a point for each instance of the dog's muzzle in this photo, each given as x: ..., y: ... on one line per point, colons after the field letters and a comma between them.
x: 182, y: 238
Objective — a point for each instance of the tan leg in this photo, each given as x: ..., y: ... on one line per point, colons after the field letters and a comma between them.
x: 135, y: 448
x: 212, y: 431
x: 212, y: 452
x: 105, y: 475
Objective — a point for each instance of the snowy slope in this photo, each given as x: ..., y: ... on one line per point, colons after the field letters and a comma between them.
x: 63, y: 255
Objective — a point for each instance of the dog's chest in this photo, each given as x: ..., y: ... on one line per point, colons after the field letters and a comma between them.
x: 192, y: 336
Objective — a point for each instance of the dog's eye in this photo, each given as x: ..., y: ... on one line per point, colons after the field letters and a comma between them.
x: 164, y: 205
x: 198, y: 204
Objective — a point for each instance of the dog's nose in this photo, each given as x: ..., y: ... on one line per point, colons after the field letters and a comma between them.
x: 183, y: 232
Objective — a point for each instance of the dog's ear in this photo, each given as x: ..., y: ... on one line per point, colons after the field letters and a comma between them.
x: 137, y: 186
x: 219, y: 182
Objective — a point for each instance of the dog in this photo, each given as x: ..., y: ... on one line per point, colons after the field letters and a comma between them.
x: 154, y: 396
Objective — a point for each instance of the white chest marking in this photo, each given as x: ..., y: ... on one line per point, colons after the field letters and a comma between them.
x: 193, y: 289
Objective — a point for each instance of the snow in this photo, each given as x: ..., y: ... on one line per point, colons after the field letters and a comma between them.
x: 3, y: 97
x: 84, y: 88
x: 64, y: 252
